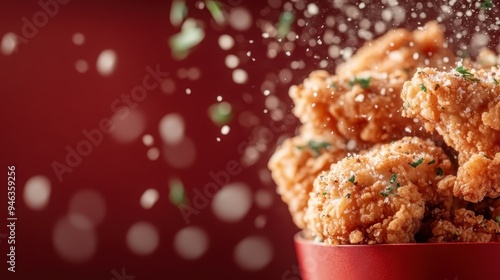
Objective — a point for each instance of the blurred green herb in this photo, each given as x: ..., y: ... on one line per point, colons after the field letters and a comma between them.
x: 393, y: 178
x: 466, y: 74
x: 363, y: 82
x: 386, y: 192
x: 284, y: 24
x: 352, y: 179
x: 417, y: 163
x: 177, y: 192
x: 220, y: 113
x: 423, y: 88
x: 316, y: 147
x: 215, y: 10
x: 182, y: 42
x: 486, y: 4
x: 439, y: 171
x: 495, y: 81
x: 431, y: 162
x: 178, y: 12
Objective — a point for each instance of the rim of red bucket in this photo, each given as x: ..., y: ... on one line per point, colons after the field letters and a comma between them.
x: 298, y: 238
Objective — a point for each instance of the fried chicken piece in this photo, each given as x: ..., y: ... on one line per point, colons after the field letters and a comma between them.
x: 378, y: 196
x: 297, y: 162
x: 400, y: 49
x: 463, y: 225
x: 464, y: 107
x: 365, y: 109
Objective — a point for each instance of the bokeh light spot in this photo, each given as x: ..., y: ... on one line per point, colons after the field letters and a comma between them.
x: 142, y: 238
x: 191, y: 242
x: 149, y: 198
x: 232, y: 202
x: 73, y: 244
x: 253, y: 253
x: 37, y: 192
x: 106, y: 62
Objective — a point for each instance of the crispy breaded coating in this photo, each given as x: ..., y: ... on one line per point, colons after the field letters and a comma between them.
x: 463, y: 225
x: 400, y: 49
x: 464, y: 107
x: 297, y: 162
x: 378, y: 196
x: 365, y: 109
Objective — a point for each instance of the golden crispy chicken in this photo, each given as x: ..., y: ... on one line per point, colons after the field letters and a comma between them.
x: 297, y: 162
x: 400, y: 49
x: 379, y: 196
x: 464, y: 107
x: 462, y: 225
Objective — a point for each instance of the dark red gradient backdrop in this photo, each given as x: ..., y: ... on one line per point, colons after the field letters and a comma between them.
x: 46, y: 104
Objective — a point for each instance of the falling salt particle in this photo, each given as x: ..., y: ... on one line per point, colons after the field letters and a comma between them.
x: 218, y: 139
x: 106, y: 62
x: 312, y: 9
x: 153, y: 154
x: 225, y: 130
x: 171, y: 128
x: 188, y: 91
x: 260, y: 221
x: 266, y: 92
x: 168, y: 86
x: 9, y: 43
x: 142, y: 238
x: 226, y: 42
x: 147, y: 140
x: 232, y: 61
x: 149, y: 198
x: 232, y: 202
x: 81, y: 66
x: 253, y: 253
x: 240, y: 76
x: 191, y: 242
x: 240, y: 19
x: 37, y: 192
x: 219, y: 98
x: 78, y: 39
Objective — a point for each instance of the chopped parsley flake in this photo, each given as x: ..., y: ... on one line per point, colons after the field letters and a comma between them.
x: 423, y: 88
x: 439, y: 171
x: 486, y: 4
x: 495, y: 81
x: 352, y: 179
x: 393, y: 178
x: 314, y: 146
x: 417, y: 163
x: 363, y: 82
x: 333, y: 85
x: 431, y: 162
x: 386, y: 192
x: 325, y: 193
x: 466, y: 74
x: 497, y: 219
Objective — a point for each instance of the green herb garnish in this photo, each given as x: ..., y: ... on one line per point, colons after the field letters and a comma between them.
x: 325, y: 193
x: 497, y: 219
x: 466, y: 74
x: 486, y: 4
x: 393, y: 178
x: 417, y: 163
x: 431, y: 162
x: 495, y: 81
x: 316, y: 147
x: 285, y: 24
x: 423, y: 88
x: 214, y: 7
x: 352, y: 179
x: 386, y: 192
x: 439, y: 171
x: 363, y: 82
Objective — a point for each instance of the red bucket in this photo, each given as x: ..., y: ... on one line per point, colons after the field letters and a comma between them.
x: 412, y: 261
